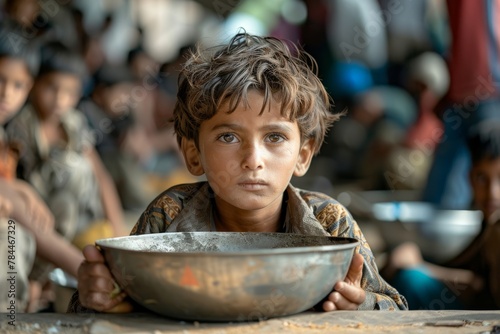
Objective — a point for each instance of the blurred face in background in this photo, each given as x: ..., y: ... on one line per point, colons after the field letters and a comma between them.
x: 143, y: 66
x: 116, y: 100
x: 15, y: 84
x: 55, y: 93
x: 485, y: 182
x: 24, y: 12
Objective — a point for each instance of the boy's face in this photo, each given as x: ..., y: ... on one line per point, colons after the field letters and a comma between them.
x: 249, y: 159
x: 115, y: 100
x: 55, y: 93
x: 485, y: 182
x: 15, y: 84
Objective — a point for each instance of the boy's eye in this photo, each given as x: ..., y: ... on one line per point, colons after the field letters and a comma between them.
x: 275, y: 138
x: 227, y: 138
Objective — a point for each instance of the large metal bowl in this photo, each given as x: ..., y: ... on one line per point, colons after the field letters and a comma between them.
x: 227, y: 276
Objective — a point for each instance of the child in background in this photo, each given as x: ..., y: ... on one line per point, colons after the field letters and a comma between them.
x: 119, y: 141
x: 152, y: 108
x: 25, y: 221
x: 249, y: 115
x: 472, y: 279
x: 427, y: 81
x: 58, y: 157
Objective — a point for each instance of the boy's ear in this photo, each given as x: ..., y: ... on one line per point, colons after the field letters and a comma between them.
x: 191, y: 157
x: 305, y: 156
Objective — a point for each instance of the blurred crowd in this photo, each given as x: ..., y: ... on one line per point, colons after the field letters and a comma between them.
x: 94, y: 130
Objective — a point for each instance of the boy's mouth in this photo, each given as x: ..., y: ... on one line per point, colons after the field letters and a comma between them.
x: 253, y: 184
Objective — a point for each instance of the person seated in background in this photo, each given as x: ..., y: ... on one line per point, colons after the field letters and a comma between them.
x: 408, y: 164
x: 152, y: 107
x: 249, y: 116
x: 58, y: 157
x: 472, y: 279
x: 121, y: 144
x: 26, y: 223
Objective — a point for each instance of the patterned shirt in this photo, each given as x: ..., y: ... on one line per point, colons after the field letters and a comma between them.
x: 189, y: 207
x: 54, y: 169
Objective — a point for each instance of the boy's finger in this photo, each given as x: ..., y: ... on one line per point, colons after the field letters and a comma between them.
x: 350, y: 292
x: 355, y: 272
x: 123, y: 307
x: 92, y: 254
x: 95, y: 269
x: 101, y: 301
x: 329, y: 306
x: 99, y: 284
x: 341, y: 303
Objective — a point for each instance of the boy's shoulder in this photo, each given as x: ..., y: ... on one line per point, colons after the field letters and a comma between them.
x: 166, y: 206
x: 333, y: 217
x: 322, y: 204
x: 23, y: 127
x: 179, y: 194
x: 28, y: 113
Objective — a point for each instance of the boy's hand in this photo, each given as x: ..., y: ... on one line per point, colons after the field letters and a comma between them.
x: 96, y: 286
x: 348, y: 295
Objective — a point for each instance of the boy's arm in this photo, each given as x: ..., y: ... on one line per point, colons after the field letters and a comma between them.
x: 155, y: 219
x: 96, y: 287
x: 379, y: 294
x: 109, y: 196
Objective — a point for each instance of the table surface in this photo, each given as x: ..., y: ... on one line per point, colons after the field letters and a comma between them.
x: 339, y: 322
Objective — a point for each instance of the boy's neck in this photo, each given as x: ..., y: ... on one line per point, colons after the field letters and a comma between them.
x: 50, y: 120
x: 250, y: 221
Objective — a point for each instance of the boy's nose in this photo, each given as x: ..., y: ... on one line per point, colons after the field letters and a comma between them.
x: 253, y: 156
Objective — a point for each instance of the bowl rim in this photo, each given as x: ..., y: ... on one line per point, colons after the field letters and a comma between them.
x: 351, y: 243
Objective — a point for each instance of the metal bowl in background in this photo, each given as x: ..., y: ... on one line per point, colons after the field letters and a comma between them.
x: 360, y: 203
x: 227, y: 276
x: 399, y: 216
x: 440, y: 234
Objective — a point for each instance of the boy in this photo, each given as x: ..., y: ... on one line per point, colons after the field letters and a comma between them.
x: 249, y: 115
x: 26, y: 223
x: 472, y: 279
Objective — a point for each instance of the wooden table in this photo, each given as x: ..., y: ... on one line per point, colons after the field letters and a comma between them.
x: 338, y: 322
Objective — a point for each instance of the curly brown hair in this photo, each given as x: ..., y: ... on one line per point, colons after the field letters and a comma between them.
x: 225, y: 74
